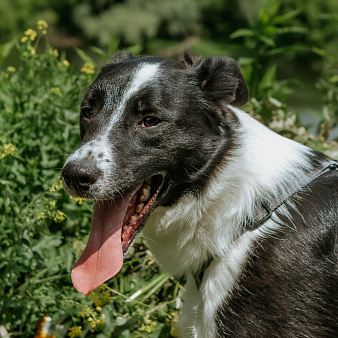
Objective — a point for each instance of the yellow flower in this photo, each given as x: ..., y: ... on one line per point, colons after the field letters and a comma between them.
x: 42, y: 25
x: 24, y: 39
x: 57, y: 186
x: 174, y: 330
x: 150, y: 327
x: 85, y: 312
x: 11, y: 69
x: 78, y: 200
x: 88, y: 68
x: 56, y: 91
x: 7, y: 150
x: 53, y: 52
x: 101, y: 296
x: 31, y: 34
x: 66, y: 63
x: 41, y: 216
x: 75, y: 331
x: 32, y: 50
x: 96, y: 323
x: 59, y: 216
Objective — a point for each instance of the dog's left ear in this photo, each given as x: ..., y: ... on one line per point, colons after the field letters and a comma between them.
x: 220, y: 78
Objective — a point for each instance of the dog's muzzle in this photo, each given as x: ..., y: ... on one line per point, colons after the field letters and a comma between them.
x: 79, y: 178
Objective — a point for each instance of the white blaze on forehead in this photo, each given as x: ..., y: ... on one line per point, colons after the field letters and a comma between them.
x: 99, y: 150
x: 145, y: 74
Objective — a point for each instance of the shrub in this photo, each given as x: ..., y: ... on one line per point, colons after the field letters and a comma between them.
x: 43, y: 231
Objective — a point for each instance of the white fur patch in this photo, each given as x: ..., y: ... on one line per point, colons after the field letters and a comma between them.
x: 100, y: 150
x: 144, y: 74
x: 183, y: 236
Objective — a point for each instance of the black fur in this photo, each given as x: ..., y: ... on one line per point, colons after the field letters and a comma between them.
x: 288, y: 287
x: 190, y: 101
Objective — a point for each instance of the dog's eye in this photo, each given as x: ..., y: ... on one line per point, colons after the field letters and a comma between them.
x: 150, y: 121
x: 87, y: 113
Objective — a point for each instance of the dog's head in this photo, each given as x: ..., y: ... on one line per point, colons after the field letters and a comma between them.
x: 151, y: 130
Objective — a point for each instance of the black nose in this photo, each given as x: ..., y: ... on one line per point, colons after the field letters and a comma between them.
x: 80, y: 177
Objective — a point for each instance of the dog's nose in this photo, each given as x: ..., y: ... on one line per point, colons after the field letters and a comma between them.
x: 80, y: 177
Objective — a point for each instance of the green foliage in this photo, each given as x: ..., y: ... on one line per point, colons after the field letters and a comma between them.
x: 43, y: 231
x: 135, y: 22
x: 263, y: 43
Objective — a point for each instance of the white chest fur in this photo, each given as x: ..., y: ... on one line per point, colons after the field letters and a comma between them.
x: 184, y: 236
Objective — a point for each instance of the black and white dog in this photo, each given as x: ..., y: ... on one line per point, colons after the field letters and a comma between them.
x: 248, y: 217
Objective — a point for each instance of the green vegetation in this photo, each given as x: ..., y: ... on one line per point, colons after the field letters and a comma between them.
x: 43, y: 231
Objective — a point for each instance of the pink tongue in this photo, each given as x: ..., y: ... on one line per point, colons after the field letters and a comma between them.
x: 103, y: 257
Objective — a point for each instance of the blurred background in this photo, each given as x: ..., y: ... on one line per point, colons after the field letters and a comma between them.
x: 299, y: 37
x: 50, y: 52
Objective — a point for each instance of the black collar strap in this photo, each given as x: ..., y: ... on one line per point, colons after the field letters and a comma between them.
x: 264, y: 212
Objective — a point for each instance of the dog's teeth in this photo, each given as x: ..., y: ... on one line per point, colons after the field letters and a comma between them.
x: 139, y: 207
x: 145, y: 193
x: 132, y: 218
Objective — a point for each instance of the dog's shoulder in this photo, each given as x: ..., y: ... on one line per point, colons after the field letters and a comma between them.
x: 289, y: 281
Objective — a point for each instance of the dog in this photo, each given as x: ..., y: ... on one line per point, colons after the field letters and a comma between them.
x: 246, y: 216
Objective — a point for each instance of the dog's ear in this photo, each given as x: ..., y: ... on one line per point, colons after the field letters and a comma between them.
x: 116, y: 59
x: 220, y: 78
x: 189, y: 59
x: 120, y: 57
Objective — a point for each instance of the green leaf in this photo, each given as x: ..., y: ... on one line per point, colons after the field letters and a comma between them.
x: 292, y: 29
x: 84, y: 56
x: 243, y: 32
x: 99, y: 52
x: 286, y: 17
x: 48, y: 241
x: 113, y: 45
x: 267, y: 41
x: 135, y: 50
x: 5, y: 50
x: 245, y: 61
x: 287, y: 50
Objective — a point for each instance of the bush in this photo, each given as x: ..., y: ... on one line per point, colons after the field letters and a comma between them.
x: 43, y: 231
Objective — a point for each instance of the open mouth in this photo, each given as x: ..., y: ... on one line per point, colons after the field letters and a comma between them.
x: 140, y: 207
x: 115, y: 225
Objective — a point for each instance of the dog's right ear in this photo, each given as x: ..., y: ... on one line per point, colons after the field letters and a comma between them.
x: 120, y: 57
x: 219, y: 78
x: 116, y: 59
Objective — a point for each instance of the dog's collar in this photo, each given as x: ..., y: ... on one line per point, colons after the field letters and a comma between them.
x: 265, y: 212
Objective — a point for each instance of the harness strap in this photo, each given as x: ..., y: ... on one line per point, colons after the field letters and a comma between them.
x: 265, y: 211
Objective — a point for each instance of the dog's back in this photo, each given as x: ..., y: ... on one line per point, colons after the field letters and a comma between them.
x: 288, y: 285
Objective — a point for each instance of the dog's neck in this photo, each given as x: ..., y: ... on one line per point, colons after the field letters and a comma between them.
x: 265, y: 165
